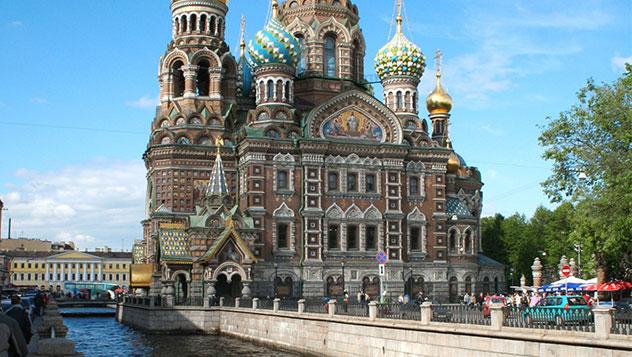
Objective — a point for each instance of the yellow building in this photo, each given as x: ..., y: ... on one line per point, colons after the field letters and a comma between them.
x: 65, y: 270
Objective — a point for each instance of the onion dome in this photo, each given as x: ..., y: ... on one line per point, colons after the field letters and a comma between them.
x: 274, y: 44
x: 455, y: 161
x: 400, y: 57
x: 439, y: 101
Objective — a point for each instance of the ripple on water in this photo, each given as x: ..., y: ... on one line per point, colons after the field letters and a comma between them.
x: 101, y: 336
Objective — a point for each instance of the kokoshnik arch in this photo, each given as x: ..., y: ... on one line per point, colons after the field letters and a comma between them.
x: 269, y: 172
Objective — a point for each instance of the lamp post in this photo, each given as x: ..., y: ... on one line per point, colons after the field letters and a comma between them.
x: 578, y: 249
x: 276, y: 271
x: 342, y: 263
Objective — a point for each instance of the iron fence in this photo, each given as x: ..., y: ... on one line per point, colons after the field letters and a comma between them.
x: 265, y: 304
x: 245, y: 303
x: 399, y: 311
x: 189, y: 301
x: 581, y: 320
x: 316, y: 307
x: 229, y: 302
x: 288, y: 305
x: 460, y: 314
x: 622, y: 322
x: 360, y: 310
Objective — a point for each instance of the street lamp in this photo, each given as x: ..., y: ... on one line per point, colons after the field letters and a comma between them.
x: 342, y: 263
x: 578, y: 249
x: 276, y: 270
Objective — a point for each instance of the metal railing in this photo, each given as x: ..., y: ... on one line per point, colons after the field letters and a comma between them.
x: 288, y: 305
x: 550, y: 319
x: 265, y: 304
x: 189, y: 301
x: 245, y: 303
x: 316, y: 307
x: 399, y: 311
x: 359, y: 310
x: 460, y: 314
x: 229, y: 302
x: 622, y: 322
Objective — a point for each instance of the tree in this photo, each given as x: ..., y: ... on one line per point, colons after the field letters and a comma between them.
x: 492, y: 238
x: 590, y: 146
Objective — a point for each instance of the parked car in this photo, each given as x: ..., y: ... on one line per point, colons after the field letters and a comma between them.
x: 493, y: 300
x: 558, y: 310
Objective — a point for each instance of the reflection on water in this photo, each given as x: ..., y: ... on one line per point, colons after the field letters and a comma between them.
x: 103, y: 336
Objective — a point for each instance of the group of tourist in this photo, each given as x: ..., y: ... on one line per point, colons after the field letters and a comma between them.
x: 16, y: 323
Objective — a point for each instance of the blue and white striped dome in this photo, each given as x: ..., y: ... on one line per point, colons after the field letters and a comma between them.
x: 274, y: 45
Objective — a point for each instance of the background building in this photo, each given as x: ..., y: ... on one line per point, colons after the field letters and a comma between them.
x: 278, y: 172
x: 34, y: 245
x: 67, y: 270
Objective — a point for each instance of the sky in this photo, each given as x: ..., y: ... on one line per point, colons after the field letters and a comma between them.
x: 79, y: 89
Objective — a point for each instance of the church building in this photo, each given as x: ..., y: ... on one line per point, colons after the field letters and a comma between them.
x: 276, y: 172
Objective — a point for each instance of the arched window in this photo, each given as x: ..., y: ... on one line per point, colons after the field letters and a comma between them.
x: 184, y: 23
x: 399, y: 104
x: 183, y: 141
x: 452, y: 240
x: 177, y: 25
x: 213, y: 26
x: 468, y: 242
x: 300, y: 69
x: 330, y: 55
x: 178, y: 79
x: 415, y: 102
x: 287, y: 91
x: 220, y: 27
x: 193, y: 22
x: 203, y: 21
x: 468, y: 285
x: 202, y: 79
x: 270, y: 93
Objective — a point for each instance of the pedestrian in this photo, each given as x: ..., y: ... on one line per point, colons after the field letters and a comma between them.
x: 17, y: 312
x: 17, y: 344
x: 466, y: 299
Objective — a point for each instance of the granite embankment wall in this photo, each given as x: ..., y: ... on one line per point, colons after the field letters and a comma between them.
x: 319, y: 334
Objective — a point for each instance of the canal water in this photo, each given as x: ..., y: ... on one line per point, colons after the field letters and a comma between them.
x: 104, y: 336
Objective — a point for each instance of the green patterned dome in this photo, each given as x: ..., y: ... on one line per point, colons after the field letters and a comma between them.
x: 400, y: 58
x: 275, y: 45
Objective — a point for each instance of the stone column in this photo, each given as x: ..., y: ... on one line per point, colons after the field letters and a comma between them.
x: 169, y: 293
x: 275, y: 305
x: 100, y: 277
x: 372, y: 310
x: 301, y: 306
x: 237, y: 302
x: 76, y: 270
x: 91, y: 272
x: 426, y: 313
x: 63, y: 267
x: 85, y: 271
x: 603, y: 321
x: 47, y: 272
x: 215, y: 83
x: 255, y: 303
x: 54, y: 272
x: 332, y: 308
x: 221, y: 301
x: 536, y: 272
x: 190, y: 72
x: 498, y: 317
x: 166, y: 89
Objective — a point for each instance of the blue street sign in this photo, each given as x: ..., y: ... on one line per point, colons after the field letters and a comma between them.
x: 381, y: 257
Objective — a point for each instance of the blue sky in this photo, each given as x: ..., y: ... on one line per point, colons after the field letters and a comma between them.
x: 79, y: 87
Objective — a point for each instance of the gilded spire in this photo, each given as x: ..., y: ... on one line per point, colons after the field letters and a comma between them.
x: 439, y: 101
x: 399, y: 16
x: 242, y: 42
x: 275, y: 9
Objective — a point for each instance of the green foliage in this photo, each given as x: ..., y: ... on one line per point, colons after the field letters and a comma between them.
x: 590, y: 146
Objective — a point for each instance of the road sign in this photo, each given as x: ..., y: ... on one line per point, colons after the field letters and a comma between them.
x: 566, y: 271
x: 381, y: 258
x: 382, y: 269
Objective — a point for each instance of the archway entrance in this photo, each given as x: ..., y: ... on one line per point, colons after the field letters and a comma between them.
x: 454, y: 290
x: 182, y: 288
x: 226, y: 289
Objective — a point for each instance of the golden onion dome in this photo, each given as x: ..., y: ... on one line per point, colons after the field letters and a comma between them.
x: 454, y: 163
x: 439, y: 101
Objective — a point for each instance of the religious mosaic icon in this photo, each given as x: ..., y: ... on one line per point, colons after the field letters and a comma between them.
x: 352, y: 125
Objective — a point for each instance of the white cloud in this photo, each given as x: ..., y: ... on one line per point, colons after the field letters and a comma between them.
x: 526, y: 40
x: 16, y: 23
x: 94, y: 203
x: 491, y: 130
x: 618, y: 62
x: 39, y: 100
x: 143, y: 102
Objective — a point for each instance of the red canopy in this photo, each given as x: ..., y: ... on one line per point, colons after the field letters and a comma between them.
x: 610, y: 286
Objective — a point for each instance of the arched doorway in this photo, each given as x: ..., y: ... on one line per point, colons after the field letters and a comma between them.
x: 415, y: 286
x: 334, y: 286
x: 371, y: 287
x: 182, y: 288
x: 284, y: 287
x: 454, y: 290
x: 226, y: 289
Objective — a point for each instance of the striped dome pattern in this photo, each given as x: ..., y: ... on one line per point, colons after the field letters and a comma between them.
x: 274, y: 45
x: 400, y: 58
